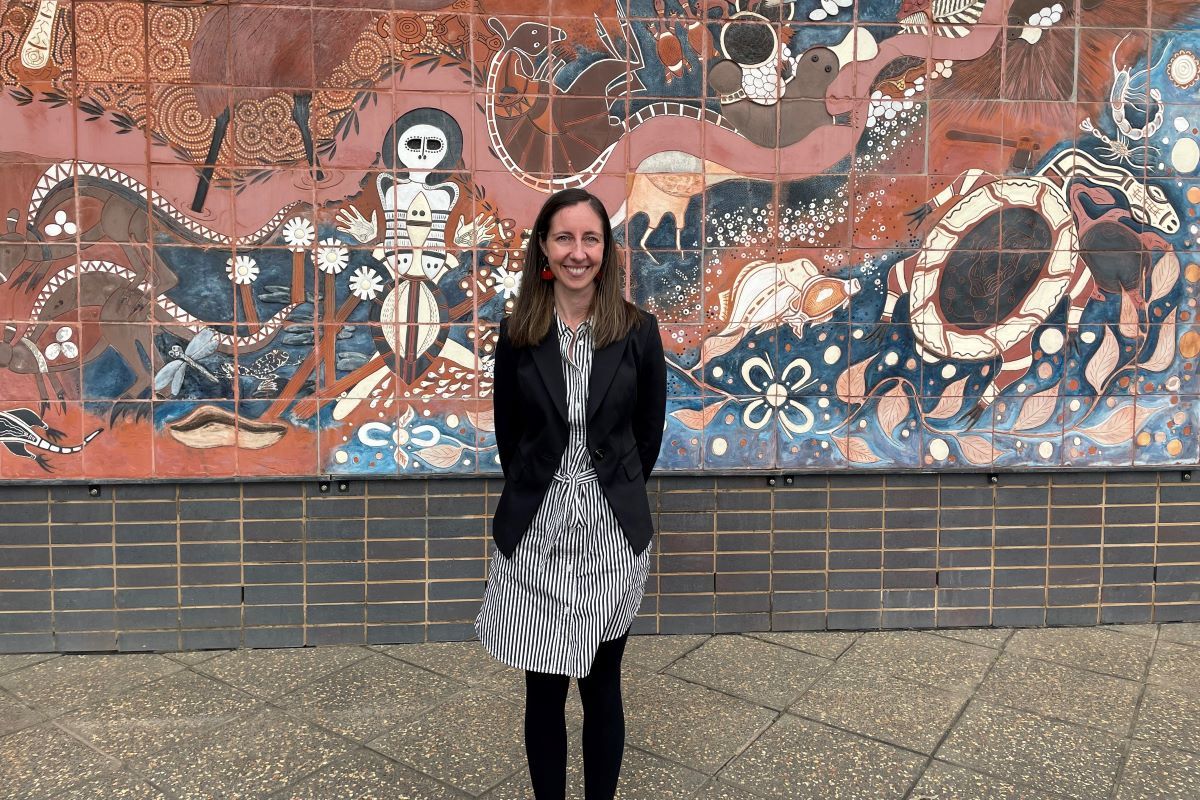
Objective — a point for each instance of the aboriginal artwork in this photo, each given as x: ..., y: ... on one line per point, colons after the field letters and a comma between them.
x: 266, y: 239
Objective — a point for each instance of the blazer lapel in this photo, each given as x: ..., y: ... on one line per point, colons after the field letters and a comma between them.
x: 604, y: 366
x: 549, y: 362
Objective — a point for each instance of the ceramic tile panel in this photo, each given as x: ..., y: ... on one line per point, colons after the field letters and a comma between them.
x: 877, y: 234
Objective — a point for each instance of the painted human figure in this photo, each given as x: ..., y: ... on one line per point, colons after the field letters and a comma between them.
x: 416, y: 201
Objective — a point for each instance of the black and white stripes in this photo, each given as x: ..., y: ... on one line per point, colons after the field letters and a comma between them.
x: 573, y: 581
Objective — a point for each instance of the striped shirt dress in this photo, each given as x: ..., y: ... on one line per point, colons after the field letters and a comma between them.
x: 573, y: 580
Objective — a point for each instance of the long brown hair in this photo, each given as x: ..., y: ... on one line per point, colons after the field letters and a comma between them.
x: 612, y: 315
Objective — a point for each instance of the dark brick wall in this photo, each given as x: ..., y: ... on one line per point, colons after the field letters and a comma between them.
x: 164, y: 566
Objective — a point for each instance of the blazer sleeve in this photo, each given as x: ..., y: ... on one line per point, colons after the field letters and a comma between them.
x: 506, y: 400
x: 651, y: 412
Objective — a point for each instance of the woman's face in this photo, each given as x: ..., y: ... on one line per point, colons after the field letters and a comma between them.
x: 574, y: 246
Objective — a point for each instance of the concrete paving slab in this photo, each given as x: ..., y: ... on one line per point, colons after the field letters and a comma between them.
x: 271, y: 673
x: 922, y: 658
x: 1079, y: 762
x: 195, y: 656
x: 113, y: 786
x: 994, y: 638
x: 1145, y: 631
x: 867, y: 702
x: 643, y: 775
x: 1176, y: 665
x: 465, y: 662
x: 11, y: 662
x: 249, y: 758
x: 717, y: 790
x: 1093, y: 649
x: 690, y: 724
x: 942, y: 781
x: 801, y: 760
x: 1159, y: 773
x: 68, y: 682
x: 473, y: 741
x: 655, y: 653
x: 827, y: 644
x: 1049, y: 722
x: 1170, y: 718
x: 368, y: 697
x: 170, y: 712
x: 1057, y: 691
x: 365, y: 775
x: 43, y: 760
x: 15, y: 715
x: 1182, y: 633
x: 758, y: 671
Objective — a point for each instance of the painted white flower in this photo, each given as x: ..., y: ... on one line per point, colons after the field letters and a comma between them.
x: 242, y: 269
x: 405, y: 436
x: 332, y: 256
x: 298, y: 234
x: 61, y: 225
x: 62, y: 346
x: 508, y: 284
x: 943, y: 69
x: 365, y: 283
x: 777, y: 395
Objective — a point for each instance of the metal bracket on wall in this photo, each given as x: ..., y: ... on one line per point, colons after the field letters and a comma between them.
x: 786, y: 480
x: 323, y: 487
x: 1186, y: 476
x: 343, y: 486
x: 94, y: 490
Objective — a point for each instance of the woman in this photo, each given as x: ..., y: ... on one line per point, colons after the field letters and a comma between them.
x: 580, y: 399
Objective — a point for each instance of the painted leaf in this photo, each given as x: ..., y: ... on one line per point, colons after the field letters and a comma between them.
x: 977, y: 450
x: 1165, y: 276
x: 855, y: 449
x: 697, y: 420
x: 852, y: 384
x: 893, y: 408
x: 1129, y: 317
x: 951, y: 401
x: 1120, y: 426
x: 441, y: 455
x: 1103, y: 361
x: 716, y: 345
x: 483, y: 420
x: 1037, y: 410
x: 1164, y: 349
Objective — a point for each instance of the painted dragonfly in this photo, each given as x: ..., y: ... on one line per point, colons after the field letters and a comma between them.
x: 203, y: 345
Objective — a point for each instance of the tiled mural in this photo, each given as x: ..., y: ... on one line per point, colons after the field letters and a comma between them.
x: 276, y: 238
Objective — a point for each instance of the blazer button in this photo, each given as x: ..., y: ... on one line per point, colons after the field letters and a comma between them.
x: 599, y: 454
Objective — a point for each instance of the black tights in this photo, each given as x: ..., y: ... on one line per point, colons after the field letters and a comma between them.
x: 603, y: 727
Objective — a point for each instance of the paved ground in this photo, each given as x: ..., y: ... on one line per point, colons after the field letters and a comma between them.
x: 1083, y: 713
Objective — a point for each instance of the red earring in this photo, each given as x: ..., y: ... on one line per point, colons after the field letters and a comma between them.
x: 547, y: 275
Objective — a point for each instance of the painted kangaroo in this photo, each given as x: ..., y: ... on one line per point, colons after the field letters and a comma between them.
x: 554, y: 144
x: 121, y: 300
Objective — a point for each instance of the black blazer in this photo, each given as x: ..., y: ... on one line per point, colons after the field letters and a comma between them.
x: 626, y: 408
